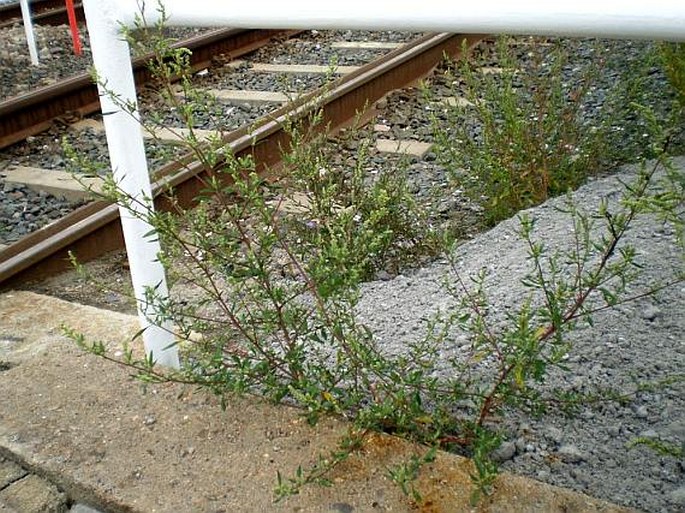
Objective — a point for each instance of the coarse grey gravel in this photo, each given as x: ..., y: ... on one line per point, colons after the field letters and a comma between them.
x: 615, y: 63
x: 211, y: 114
x: 23, y: 211
x: 56, y: 58
x: 47, y: 151
x: 640, y: 341
x: 241, y: 78
x: 315, y: 47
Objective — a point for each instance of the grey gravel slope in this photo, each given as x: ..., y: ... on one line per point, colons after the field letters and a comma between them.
x: 642, y: 341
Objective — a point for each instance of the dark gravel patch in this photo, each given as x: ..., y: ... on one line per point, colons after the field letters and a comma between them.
x: 279, y: 82
x: 210, y: 115
x: 315, y: 48
x: 56, y: 57
x: 408, y: 115
x: 46, y: 151
x: 448, y: 208
x: 23, y: 211
x: 390, y: 36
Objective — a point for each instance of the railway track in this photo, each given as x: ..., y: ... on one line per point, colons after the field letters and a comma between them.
x: 93, y: 230
x: 31, y: 113
x: 44, y: 12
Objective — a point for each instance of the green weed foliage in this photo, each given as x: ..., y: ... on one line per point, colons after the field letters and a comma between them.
x: 532, y: 145
x: 271, y: 271
x: 673, y: 62
x: 521, y: 133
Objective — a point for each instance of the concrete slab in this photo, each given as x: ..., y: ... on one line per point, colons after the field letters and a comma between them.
x: 252, y: 97
x: 58, y: 183
x: 235, y: 64
x: 114, y: 444
x: 178, y: 135
x: 456, y: 101
x: 490, y: 70
x: 88, y: 123
x: 31, y: 494
x: 9, y: 473
x: 365, y: 45
x: 6, y: 509
x: 82, y: 508
x: 170, y: 135
x: 403, y: 147
x: 301, y: 68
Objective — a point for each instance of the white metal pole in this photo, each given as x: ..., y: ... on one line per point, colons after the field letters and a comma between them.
x: 28, y: 30
x: 112, y: 61
x: 630, y: 19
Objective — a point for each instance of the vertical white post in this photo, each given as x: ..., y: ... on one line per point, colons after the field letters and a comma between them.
x: 28, y: 30
x: 127, y: 155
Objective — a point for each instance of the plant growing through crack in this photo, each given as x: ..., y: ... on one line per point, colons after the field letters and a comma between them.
x: 270, y: 267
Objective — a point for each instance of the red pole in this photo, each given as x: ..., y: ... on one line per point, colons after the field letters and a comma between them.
x: 74, y: 27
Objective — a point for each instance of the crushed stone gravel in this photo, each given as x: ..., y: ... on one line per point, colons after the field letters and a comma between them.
x: 56, y: 58
x: 55, y: 55
x: 23, y: 211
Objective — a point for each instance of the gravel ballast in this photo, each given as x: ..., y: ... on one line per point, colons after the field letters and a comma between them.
x: 23, y: 211
x: 56, y: 59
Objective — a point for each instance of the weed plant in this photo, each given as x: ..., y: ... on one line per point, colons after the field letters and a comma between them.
x: 673, y: 62
x: 271, y: 269
x: 525, y: 131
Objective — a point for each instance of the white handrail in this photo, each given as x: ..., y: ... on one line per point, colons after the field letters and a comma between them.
x: 627, y: 19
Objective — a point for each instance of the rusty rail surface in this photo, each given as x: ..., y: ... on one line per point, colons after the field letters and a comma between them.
x: 34, y: 112
x: 94, y: 229
x: 43, y: 12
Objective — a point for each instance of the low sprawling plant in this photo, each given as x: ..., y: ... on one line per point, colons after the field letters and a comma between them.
x: 270, y: 274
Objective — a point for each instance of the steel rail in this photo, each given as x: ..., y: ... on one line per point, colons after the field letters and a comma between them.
x: 94, y: 229
x: 34, y: 112
x: 43, y: 12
